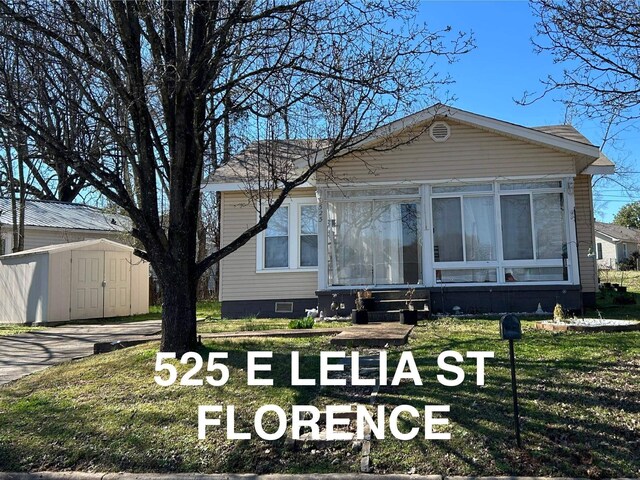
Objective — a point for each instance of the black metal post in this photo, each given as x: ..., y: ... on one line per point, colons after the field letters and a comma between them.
x: 516, y: 414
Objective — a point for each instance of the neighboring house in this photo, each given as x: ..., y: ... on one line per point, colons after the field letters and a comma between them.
x: 475, y: 212
x: 52, y: 223
x: 615, y: 244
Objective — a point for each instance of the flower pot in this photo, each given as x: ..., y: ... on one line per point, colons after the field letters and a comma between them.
x: 607, y: 285
x: 621, y: 289
x: 409, y: 317
x: 369, y: 304
x: 615, y: 285
x: 359, y: 317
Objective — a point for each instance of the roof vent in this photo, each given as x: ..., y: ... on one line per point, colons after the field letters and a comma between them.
x: 440, y: 131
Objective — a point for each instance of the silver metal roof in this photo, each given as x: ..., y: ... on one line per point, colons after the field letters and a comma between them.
x: 70, y: 216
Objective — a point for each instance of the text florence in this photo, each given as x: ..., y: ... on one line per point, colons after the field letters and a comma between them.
x: 307, y: 418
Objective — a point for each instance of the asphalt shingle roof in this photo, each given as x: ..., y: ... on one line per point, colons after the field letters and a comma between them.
x: 70, y: 216
x: 618, y: 232
x: 570, y: 133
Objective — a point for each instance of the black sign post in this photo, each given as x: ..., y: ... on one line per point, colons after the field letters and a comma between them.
x: 510, y: 329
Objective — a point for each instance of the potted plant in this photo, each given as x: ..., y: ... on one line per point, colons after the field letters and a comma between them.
x: 359, y: 315
x: 409, y: 315
x: 368, y: 302
x: 621, y: 288
x: 559, y: 313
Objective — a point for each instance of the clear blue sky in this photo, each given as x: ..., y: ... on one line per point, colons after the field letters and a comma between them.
x: 504, y: 65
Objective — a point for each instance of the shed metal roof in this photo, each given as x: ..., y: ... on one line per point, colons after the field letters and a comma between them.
x: 70, y: 216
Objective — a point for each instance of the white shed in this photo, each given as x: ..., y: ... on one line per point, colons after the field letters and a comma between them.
x: 73, y: 281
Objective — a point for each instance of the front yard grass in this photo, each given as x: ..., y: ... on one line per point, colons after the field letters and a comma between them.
x: 579, y: 396
x: 10, y: 329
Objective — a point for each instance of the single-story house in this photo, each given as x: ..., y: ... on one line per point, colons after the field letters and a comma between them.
x: 474, y: 212
x: 53, y: 223
x: 615, y: 243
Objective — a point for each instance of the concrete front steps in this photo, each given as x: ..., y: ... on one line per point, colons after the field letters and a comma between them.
x: 388, y: 303
x: 384, y: 306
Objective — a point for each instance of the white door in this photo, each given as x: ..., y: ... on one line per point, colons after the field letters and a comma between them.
x: 117, y: 284
x: 87, y: 274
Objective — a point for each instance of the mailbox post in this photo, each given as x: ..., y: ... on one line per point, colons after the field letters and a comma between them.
x: 510, y: 329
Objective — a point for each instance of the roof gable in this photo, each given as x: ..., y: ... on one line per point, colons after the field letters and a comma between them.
x: 564, y: 139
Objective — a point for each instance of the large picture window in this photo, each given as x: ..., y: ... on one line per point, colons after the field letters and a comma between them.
x: 374, y: 241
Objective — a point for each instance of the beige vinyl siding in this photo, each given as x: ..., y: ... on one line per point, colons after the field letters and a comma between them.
x: 469, y: 152
x: 585, y: 232
x: 238, y: 277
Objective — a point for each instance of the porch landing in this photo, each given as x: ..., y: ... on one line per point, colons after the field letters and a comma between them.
x: 373, y: 335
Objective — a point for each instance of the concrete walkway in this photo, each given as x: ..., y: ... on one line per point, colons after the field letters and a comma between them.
x: 247, y: 476
x: 27, y: 353
x: 374, y: 335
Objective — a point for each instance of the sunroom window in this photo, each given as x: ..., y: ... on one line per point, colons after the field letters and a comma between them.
x: 527, y: 217
x: 463, y: 229
x: 532, y: 226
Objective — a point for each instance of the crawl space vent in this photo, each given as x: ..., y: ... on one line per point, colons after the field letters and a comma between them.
x: 284, y: 307
x: 440, y: 131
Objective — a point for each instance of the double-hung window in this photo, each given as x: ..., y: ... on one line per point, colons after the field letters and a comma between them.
x: 308, y: 255
x: 290, y: 241
x: 276, y: 240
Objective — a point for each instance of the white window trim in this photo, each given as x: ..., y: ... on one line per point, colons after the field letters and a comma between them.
x: 294, y: 205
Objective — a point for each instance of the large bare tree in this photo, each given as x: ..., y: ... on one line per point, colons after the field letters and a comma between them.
x: 597, y: 43
x: 176, y: 90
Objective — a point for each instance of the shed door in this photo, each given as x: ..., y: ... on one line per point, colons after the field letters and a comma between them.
x: 117, y: 289
x: 87, y: 274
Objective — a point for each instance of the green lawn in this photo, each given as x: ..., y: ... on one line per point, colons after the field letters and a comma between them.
x: 9, y: 329
x: 606, y: 300
x: 579, y: 396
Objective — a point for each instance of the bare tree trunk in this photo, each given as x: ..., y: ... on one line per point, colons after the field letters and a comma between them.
x: 178, y: 309
x: 18, y: 226
x: 203, y: 283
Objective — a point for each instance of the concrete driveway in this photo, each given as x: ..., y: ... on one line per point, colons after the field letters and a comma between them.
x: 26, y: 353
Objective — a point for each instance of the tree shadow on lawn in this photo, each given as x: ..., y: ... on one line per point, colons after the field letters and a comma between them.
x: 570, y: 426
x: 106, y: 424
